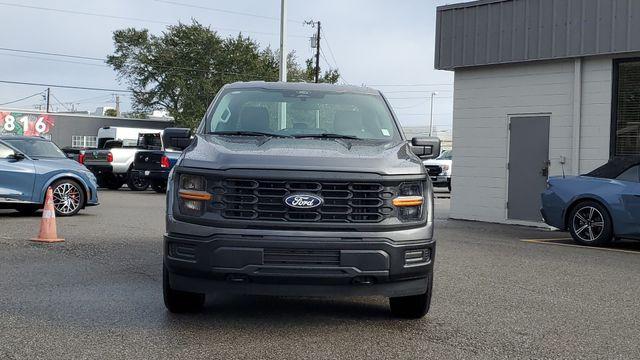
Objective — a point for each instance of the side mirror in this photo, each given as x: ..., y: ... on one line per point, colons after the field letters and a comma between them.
x: 17, y: 156
x: 176, y: 138
x: 426, y: 147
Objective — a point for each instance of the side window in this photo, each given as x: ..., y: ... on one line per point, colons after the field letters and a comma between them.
x: 632, y: 174
x: 5, y: 152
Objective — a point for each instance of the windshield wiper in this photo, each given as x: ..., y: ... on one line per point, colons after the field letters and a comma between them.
x: 247, y: 133
x: 327, y: 136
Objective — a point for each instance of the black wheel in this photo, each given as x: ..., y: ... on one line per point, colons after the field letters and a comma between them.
x: 180, y: 301
x: 136, y: 182
x: 159, y: 187
x: 449, y: 185
x: 28, y: 210
x: 68, y: 197
x: 412, y: 307
x: 590, y: 224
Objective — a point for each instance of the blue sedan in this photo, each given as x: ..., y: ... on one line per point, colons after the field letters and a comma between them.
x: 30, y: 165
x: 598, y: 207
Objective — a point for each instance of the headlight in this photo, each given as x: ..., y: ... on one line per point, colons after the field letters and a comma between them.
x: 192, y: 195
x: 409, y: 202
x: 444, y: 167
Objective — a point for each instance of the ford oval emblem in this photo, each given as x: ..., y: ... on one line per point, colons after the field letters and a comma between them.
x: 303, y: 201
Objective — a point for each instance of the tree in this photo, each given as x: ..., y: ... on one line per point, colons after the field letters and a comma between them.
x: 183, y: 68
x: 111, y: 112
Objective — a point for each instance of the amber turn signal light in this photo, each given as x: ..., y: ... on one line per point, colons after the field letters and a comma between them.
x: 403, y: 201
x: 194, y: 195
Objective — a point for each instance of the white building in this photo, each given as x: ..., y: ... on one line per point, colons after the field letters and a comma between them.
x: 541, y: 87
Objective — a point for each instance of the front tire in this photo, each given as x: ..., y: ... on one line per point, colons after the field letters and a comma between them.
x: 68, y: 197
x: 590, y: 224
x: 136, y: 182
x: 412, y: 307
x: 179, y: 302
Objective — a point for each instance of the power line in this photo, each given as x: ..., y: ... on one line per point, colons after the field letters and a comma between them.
x: 55, y: 60
x: 57, y: 54
x: 64, y: 86
x: 128, y: 18
x: 21, y: 99
x: 224, y: 11
x: 59, y: 102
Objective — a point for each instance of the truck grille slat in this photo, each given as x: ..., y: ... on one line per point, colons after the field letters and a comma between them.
x: 301, y: 257
x: 355, y: 202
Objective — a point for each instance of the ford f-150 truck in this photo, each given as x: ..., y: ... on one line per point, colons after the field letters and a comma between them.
x: 295, y: 189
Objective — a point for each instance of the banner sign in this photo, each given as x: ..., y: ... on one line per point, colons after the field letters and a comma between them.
x: 28, y: 124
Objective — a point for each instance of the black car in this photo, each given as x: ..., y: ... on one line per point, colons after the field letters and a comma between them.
x: 300, y: 190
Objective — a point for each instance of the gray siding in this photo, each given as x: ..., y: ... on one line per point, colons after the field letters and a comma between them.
x: 505, y: 31
x: 484, y: 100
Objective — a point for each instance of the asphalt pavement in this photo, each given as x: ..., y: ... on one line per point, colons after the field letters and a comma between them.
x: 98, y: 295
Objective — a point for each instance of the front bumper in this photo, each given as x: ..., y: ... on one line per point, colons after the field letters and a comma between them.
x: 299, y: 263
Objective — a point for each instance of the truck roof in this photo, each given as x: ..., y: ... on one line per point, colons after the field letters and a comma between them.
x: 302, y: 86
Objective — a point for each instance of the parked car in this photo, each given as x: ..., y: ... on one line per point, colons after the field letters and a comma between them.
x: 154, y: 165
x: 440, y: 169
x: 598, y: 207
x: 330, y: 200
x: 112, y: 162
x: 30, y: 165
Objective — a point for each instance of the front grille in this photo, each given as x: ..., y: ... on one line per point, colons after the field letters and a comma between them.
x: 355, y: 202
x: 433, y: 170
x: 301, y: 257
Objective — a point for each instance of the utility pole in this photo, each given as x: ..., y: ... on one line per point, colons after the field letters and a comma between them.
x: 283, y: 41
x: 48, y: 96
x: 117, y: 105
x: 318, y: 54
x: 315, y: 43
x: 433, y: 93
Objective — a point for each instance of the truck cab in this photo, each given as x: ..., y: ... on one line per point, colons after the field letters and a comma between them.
x: 294, y: 189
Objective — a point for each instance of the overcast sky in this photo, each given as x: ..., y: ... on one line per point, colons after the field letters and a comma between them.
x: 374, y: 42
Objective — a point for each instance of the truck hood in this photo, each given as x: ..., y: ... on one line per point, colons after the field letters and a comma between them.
x: 239, y: 152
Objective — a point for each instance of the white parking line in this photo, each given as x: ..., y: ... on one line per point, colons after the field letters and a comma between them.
x: 550, y: 242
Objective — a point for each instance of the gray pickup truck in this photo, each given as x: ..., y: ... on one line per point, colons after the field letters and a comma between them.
x: 294, y: 189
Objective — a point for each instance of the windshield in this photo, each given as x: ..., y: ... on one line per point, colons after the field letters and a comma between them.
x: 446, y: 155
x: 301, y: 113
x: 36, y: 148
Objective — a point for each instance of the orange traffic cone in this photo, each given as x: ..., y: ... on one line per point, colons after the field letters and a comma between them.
x: 48, y: 231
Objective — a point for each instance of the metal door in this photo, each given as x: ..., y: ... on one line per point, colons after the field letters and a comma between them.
x: 528, y: 166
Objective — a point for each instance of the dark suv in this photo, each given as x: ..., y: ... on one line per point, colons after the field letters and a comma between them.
x: 299, y: 190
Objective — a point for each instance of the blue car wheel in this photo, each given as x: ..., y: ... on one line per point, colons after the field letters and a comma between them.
x: 590, y: 224
x: 68, y: 197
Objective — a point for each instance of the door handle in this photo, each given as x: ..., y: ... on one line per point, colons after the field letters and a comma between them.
x: 545, y: 170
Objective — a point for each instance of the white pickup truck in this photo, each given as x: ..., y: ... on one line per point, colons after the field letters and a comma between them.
x: 111, y: 162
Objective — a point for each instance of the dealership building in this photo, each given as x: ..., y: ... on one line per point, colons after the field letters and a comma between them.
x: 542, y: 88
x: 68, y: 130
